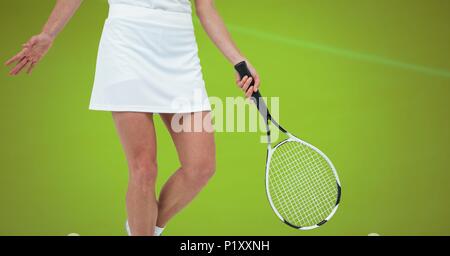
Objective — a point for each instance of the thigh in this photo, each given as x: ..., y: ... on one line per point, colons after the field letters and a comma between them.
x: 137, y: 135
x: 195, y: 146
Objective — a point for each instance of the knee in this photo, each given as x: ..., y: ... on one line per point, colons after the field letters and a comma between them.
x: 143, y: 171
x: 200, y: 172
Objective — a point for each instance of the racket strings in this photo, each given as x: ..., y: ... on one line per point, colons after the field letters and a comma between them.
x: 308, y: 213
x: 302, y: 184
x: 298, y: 203
x: 317, y: 199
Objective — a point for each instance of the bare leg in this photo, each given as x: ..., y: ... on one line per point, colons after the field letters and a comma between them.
x: 196, y: 151
x: 137, y: 134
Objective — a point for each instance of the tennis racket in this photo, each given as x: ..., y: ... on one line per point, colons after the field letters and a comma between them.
x: 302, y: 185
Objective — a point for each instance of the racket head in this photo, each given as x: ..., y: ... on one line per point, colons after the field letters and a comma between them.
x: 302, y: 184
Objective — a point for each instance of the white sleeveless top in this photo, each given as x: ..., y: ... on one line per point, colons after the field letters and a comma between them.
x: 167, y: 5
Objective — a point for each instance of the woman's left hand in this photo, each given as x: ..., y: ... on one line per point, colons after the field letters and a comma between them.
x: 32, y: 52
x: 246, y: 81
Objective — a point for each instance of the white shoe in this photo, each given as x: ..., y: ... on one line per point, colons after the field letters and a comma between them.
x: 158, y: 230
x: 127, y: 227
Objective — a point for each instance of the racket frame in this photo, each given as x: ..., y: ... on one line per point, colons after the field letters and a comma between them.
x: 270, y: 150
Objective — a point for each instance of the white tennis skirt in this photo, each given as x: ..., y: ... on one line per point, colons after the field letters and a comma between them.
x: 148, y: 62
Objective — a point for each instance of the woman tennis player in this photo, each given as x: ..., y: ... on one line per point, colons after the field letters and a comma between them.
x: 148, y: 64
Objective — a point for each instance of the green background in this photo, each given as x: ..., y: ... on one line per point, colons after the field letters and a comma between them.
x: 368, y: 82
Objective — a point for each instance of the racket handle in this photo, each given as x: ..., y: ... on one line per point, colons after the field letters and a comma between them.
x: 243, y: 70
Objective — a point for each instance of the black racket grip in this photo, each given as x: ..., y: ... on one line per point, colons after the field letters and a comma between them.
x: 243, y: 70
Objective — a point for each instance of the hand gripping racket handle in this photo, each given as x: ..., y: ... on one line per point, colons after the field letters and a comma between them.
x: 243, y: 70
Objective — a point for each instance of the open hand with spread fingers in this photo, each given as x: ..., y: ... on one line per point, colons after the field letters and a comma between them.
x: 32, y: 52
